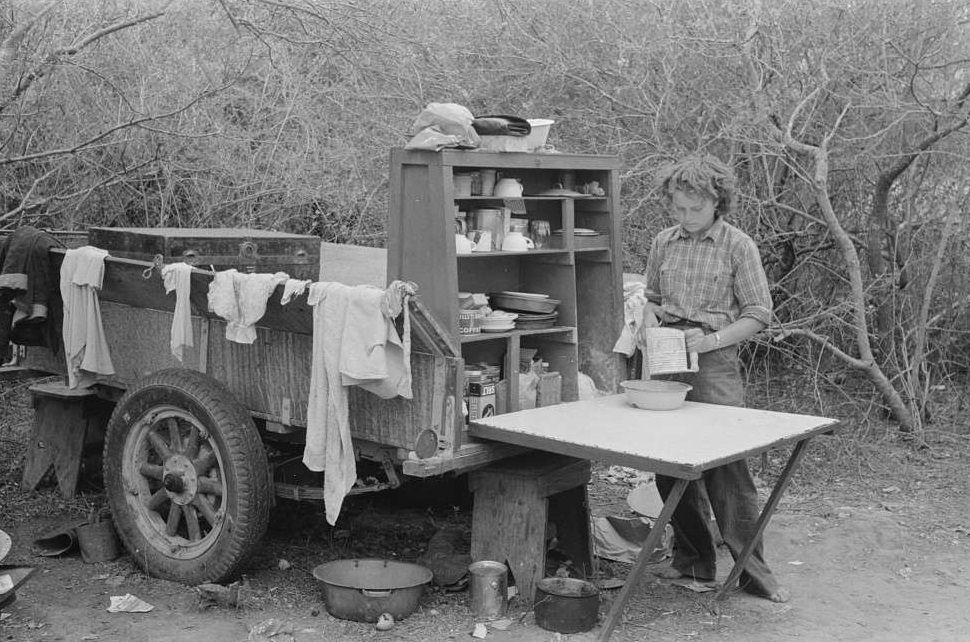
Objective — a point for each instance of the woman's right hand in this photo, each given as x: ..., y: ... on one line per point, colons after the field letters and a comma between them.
x: 652, y: 313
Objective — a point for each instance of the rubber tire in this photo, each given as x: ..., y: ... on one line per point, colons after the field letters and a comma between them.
x: 247, y: 492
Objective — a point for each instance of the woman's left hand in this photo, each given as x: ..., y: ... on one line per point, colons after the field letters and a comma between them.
x: 697, y: 341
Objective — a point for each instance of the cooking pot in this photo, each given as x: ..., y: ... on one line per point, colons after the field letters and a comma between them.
x: 566, y: 604
x: 508, y: 188
x: 363, y: 589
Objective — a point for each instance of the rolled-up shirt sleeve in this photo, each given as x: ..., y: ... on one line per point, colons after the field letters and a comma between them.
x: 751, y: 284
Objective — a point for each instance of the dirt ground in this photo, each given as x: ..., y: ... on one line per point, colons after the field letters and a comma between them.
x: 872, y: 538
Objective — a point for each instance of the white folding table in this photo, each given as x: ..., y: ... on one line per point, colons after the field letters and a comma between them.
x: 680, y: 443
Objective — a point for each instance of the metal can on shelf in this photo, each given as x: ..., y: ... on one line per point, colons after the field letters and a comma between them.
x: 470, y: 321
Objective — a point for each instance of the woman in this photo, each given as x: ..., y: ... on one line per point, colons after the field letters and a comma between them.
x: 712, y: 286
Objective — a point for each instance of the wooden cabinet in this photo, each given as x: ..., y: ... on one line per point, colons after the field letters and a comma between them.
x: 584, y: 273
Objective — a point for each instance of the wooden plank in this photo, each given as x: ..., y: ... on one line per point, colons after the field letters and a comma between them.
x: 599, y: 298
x: 268, y: 375
x: 680, y: 443
x: 139, y: 341
x: 17, y: 373
x: 507, y: 160
x: 353, y: 264
x: 472, y: 455
x: 417, y: 191
x: 509, y: 519
x: 220, y: 248
x: 398, y: 421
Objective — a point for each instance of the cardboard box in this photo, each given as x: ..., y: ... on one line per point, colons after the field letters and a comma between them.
x: 549, y: 390
x: 481, y: 400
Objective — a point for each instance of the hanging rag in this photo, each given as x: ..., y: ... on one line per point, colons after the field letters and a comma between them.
x: 241, y: 299
x: 85, y: 347
x: 29, y: 305
x: 292, y: 289
x: 178, y: 277
x: 354, y: 342
x: 634, y: 300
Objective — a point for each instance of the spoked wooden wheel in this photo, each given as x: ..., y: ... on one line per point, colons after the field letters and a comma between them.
x: 186, y: 477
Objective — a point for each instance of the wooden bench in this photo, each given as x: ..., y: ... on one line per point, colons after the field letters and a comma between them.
x: 520, y: 504
x: 65, y: 421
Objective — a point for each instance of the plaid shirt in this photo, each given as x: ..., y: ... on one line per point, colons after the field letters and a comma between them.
x: 714, y: 280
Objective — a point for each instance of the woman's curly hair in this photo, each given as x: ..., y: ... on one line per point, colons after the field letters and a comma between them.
x: 700, y: 174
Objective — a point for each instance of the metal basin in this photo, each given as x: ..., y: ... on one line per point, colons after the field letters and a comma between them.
x: 363, y: 589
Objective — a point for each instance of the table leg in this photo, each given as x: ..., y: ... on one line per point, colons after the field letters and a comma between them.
x: 766, y: 514
x: 651, y: 543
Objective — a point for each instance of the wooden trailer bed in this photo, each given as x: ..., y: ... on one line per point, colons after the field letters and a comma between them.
x: 185, y: 470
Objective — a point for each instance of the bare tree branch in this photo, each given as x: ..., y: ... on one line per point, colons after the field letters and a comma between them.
x: 51, y: 61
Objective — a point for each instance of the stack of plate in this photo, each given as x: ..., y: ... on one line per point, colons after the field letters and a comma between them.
x: 579, y: 231
x: 528, y: 321
x: 499, y: 321
x: 523, y: 302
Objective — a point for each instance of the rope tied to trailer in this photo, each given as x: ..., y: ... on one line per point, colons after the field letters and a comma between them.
x: 158, y: 262
x: 397, y: 299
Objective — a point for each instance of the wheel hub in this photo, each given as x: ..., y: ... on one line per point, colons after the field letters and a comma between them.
x: 180, y: 479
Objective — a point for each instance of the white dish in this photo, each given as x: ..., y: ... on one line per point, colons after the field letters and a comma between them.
x: 498, y: 328
x: 579, y: 231
x: 526, y: 295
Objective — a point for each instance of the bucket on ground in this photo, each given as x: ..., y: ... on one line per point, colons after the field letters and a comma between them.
x: 97, y: 541
x: 566, y: 604
x: 489, y: 589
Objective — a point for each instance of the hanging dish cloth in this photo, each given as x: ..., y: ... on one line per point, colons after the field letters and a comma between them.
x: 85, y: 346
x: 178, y: 277
x: 241, y: 299
x: 354, y: 342
x: 292, y: 289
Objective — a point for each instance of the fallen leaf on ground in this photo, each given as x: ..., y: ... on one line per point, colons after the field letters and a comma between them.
x: 128, y: 603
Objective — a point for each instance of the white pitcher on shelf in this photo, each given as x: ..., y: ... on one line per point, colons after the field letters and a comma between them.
x: 463, y: 244
x: 517, y: 242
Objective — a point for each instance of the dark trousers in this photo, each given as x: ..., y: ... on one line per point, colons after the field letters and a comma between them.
x: 730, y: 491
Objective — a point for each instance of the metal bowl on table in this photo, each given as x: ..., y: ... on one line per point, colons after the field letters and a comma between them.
x: 655, y: 394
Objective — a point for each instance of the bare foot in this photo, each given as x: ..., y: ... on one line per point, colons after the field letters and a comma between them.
x: 781, y: 594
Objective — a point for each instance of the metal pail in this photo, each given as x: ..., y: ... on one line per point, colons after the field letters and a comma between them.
x: 489, y: 589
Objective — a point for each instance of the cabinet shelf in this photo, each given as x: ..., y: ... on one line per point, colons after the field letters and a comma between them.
x: 554, y: 250
x: 586, y: 280
x: 490, y: 336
